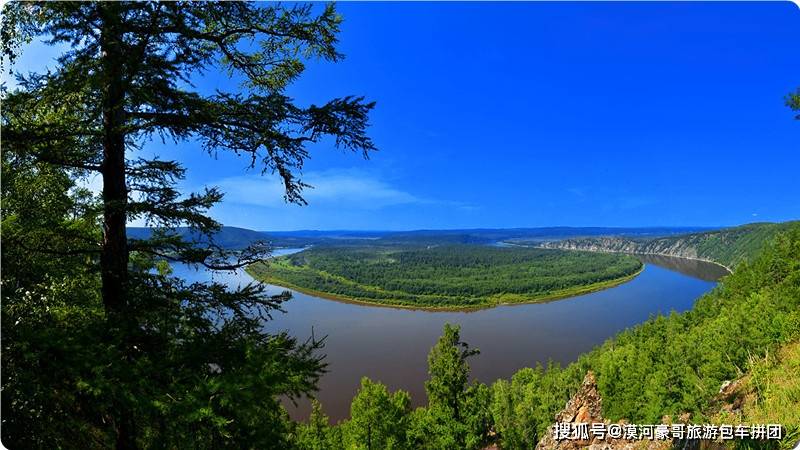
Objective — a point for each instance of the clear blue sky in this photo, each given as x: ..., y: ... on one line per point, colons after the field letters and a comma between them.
x: 540, y: 114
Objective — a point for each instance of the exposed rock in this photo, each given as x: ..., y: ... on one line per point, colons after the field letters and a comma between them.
x: 731, y: 397
x: 671, y: 246
x: 585, y: 407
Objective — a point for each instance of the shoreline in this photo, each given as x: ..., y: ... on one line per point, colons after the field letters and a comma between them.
x: 546, y: 298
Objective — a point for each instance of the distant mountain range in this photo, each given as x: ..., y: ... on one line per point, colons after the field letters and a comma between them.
x: 227, y: 237
x: 237, y: 238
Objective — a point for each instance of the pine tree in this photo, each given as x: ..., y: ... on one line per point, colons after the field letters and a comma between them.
x: 458, y: 413
x: 174, y: 363
x: 449, y: 372
x: 378, y: 419
x: 316, y: 434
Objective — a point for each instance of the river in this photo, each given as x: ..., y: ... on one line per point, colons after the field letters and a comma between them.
x: 391, y: 345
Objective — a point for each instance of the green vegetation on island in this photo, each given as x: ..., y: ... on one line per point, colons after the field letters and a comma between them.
x: 446, y: 276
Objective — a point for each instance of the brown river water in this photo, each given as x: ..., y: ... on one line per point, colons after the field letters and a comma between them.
x: 391, y: 345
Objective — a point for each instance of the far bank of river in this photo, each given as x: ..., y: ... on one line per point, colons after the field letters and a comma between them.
x: 391, y: 345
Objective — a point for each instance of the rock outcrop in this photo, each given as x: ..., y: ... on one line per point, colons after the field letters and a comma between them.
x: 671, y: 246
x: 727, y: 247
x: 585, y: 407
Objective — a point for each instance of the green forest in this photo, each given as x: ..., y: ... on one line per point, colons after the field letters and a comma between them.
x: 669, y: 365
x: 102, y: 347
x: 446, y: 276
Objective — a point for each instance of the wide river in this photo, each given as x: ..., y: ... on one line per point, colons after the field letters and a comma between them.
x: 391, y: 345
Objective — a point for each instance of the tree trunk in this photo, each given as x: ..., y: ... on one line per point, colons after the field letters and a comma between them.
x: 126, y: 439
x: 114, y: 255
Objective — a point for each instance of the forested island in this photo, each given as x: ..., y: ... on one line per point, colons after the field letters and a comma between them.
x: 448, y: 276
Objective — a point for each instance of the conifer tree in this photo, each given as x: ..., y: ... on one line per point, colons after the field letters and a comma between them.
x: 173, y: 363
x: 378, y: 419
x: 316, y: 434
x: 449, y: 372
x: 458, y: 412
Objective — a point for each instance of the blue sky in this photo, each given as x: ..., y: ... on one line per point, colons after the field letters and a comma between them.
x: 541, y: 114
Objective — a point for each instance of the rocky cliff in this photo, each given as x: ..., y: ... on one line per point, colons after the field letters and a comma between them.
x: 727, y: 247
x: 681, y: 248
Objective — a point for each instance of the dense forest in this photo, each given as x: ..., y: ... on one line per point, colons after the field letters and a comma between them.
x: 446, y: 276
x: 670, y: 365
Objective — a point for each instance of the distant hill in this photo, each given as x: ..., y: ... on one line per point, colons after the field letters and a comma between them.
x: 235, y: 238
x: 227, y: 237
x: 238, y: 238
x: 511, y: 233
x: 727, y: 247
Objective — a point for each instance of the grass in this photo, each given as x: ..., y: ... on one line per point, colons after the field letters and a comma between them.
x: 771, y: 395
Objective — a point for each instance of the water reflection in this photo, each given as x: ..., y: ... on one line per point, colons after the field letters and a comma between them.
x: 691, y: 267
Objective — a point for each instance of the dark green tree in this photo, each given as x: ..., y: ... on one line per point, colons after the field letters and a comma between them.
x: 458, y: 414
x: 161, y: 362
x: 50, y: 318
x: 449, y: 372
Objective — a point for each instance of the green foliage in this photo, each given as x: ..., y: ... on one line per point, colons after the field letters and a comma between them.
x: 446, y: 276
x: 793, y: 101
x: 317, y: 434
x: 457, y: 415
x: 672, y: 364
x: 51, y: 309
x: 732, y: 246
x: 775, y: 382
x: 448, y: 372
x: 101, y: 346
x: 523, y: 407
x: 378, y: 420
